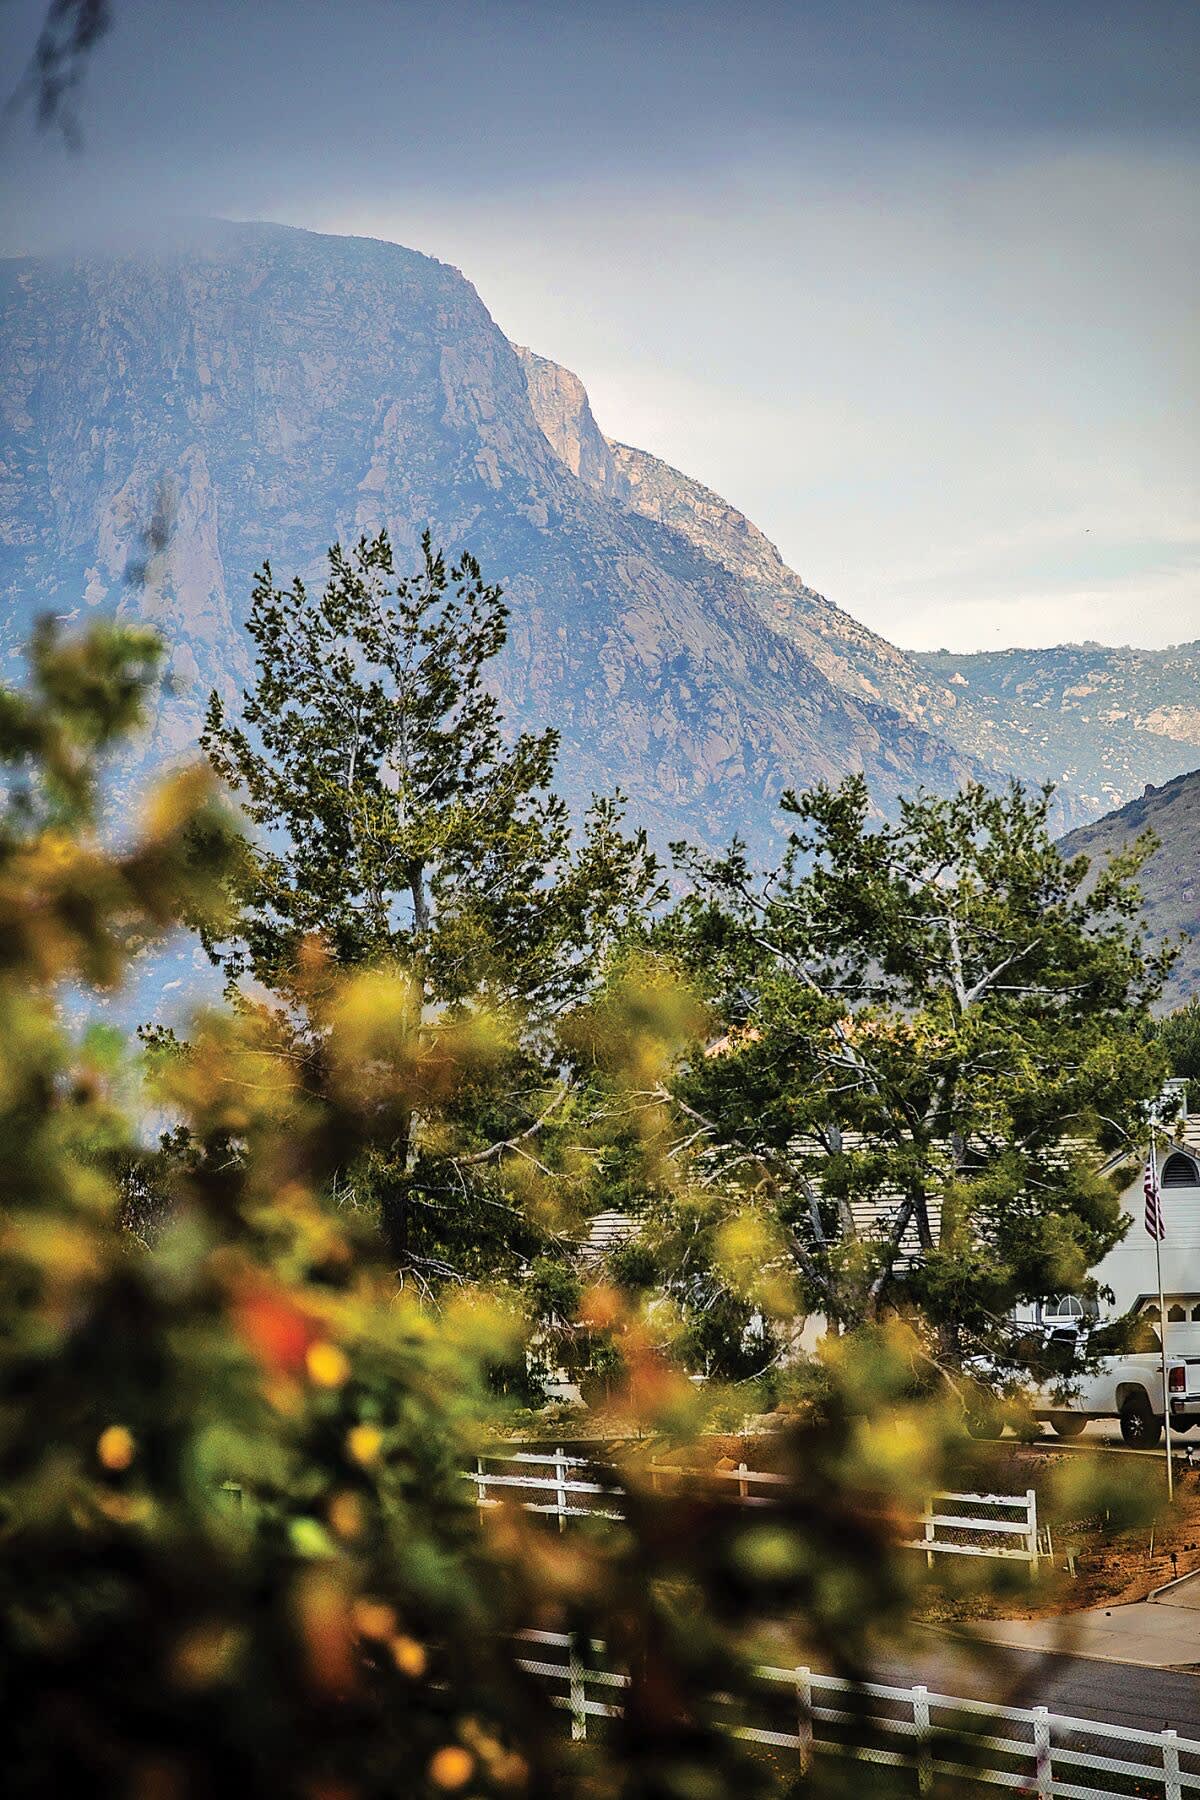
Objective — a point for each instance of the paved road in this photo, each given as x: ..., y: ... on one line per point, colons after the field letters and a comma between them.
x: 1079, y: 1687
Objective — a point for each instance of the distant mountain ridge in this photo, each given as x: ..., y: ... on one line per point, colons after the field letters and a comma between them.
x: 1101, y: 720
x: 1097, y: 722
x: 854, y: 658
x: 172, y: 417
x: 1170, y: 879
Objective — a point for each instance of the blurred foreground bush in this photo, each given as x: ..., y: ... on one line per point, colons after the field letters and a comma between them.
x: 237, y: 1556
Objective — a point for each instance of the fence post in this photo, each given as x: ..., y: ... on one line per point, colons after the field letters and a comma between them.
x: 480, y: 1484
x: 743, y: 1484
x: 1172, y: 1785
x: 804, y: 1718
x: 1042, y: 1752
x: 930, y: 1530
x: 920, y: 1710
x: 560, y: 1481
x: 1031, y: 1539
x: 578, y: 1693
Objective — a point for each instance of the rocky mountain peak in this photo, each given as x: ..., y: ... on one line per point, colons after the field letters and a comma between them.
x: 562, y: 409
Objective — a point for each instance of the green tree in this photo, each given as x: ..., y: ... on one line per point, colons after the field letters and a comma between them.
x: 396, y: 826
x: 932, y: 1034
x: 1179, y: 1036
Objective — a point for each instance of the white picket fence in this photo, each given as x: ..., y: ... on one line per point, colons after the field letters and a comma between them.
x: 936, y: 1737
x: 993, y: 1525
x: 974, y: 1524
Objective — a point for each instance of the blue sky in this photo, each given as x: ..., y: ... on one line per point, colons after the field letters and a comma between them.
x: 914, y: 284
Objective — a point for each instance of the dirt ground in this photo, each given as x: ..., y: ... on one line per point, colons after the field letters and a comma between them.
x: 1098, y: 1559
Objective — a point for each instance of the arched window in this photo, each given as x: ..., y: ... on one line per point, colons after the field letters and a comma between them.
x: 1176, y: 1314
x: 1180, y: 1171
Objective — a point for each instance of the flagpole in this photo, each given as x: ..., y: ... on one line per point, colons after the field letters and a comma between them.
x: 1162, y: 1304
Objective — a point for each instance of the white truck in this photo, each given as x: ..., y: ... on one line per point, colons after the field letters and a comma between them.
x: 1128, y: 1388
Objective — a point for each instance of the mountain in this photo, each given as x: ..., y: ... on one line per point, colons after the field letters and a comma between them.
x: 1101, y: 721
x: 852, y: 657
x: 1170, y: 879
x: 172, y: 416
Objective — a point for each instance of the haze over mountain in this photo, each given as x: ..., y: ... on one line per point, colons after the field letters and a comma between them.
x: 172, y: 417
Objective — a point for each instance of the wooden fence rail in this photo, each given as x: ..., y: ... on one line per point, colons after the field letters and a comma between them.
x: 993, y: 1525
x: 974, y: 1744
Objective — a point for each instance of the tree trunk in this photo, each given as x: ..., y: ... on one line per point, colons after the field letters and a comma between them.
x: 416, y: 885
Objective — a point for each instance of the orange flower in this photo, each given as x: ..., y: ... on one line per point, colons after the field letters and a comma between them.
x: 374, y: 1618
x: 364, y: 1443
x: 409, y: 1657
x: 346, y: 1515
x: 116, y: 1447
x: 451, y: 1767
x: 277, y: 1331
x: 327, y: 1366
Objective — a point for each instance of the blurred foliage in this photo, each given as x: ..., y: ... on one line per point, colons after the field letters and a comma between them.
x: 237, y: 1554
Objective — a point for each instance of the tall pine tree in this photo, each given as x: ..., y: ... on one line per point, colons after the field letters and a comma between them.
x: 398, y: 828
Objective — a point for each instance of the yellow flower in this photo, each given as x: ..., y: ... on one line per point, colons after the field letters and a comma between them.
x: 374, y: 1618
x: 409, y: 1657
x: 116, y: 1447
x: 451, y: 1767
x: 346, y: 1515
x: 327, y: 1365
x: 364, y: 1443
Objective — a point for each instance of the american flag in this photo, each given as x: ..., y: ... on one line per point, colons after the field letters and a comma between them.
x: 1155, y: 1224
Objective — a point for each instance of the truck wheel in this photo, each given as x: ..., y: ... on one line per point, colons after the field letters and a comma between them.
x: 1068, y: 1425
x: 1139, y: 1426
x: 984, y: 1417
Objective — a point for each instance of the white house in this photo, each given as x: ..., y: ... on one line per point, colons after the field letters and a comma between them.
x: 1129, y: 1270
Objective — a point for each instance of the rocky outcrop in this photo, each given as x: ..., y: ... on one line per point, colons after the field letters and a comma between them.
x: 562, y: 409
x: 852, y: 657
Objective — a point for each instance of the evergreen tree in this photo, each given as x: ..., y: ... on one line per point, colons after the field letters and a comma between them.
x: 929, y: 1037
x: 397, y: 828
x: 1179, y: 1035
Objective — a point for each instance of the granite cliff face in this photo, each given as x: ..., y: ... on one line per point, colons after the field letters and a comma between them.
x: 853, y: 658
x: 171, y: 419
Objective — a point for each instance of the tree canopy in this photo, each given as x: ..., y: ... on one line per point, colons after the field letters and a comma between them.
x: 397, y: 828
x: 928, y: 1037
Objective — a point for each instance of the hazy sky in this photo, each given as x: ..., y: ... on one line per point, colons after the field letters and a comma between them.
x: 912, y: 282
